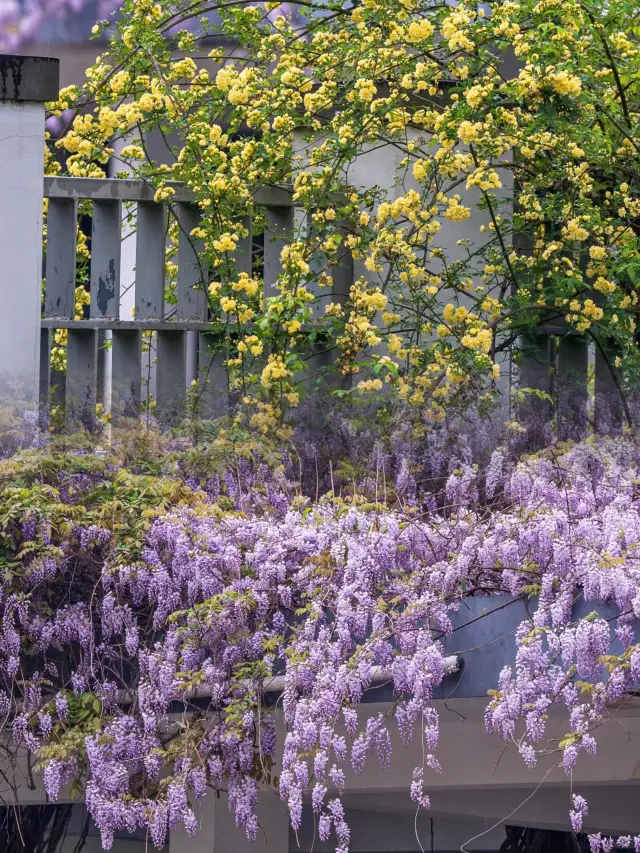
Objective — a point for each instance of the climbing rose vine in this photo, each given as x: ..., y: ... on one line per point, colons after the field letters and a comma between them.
x: 148, y: 600
x: 467, y: 107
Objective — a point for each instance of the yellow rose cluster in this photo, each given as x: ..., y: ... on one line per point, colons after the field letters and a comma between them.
x: 427, y: 200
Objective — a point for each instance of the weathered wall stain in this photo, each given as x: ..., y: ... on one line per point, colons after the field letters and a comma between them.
x: 106, y: 289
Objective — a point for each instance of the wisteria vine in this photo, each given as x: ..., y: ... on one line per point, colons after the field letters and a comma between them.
x: 145, y: 614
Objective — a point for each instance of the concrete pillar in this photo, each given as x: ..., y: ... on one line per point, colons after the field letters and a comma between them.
x: 217, y: 832
x: 26, y: 82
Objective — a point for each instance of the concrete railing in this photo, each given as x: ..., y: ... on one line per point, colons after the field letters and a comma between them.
x: 185, y: 347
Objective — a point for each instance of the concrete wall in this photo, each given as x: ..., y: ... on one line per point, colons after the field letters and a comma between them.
x: 219, y: 834
x: 380, y: 831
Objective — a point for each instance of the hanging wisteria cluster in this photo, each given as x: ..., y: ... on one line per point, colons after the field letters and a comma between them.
x: 145, y: 615
x: 21, y: 22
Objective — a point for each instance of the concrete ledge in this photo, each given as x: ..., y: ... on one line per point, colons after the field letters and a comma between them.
x: 483, y: 639
x: 29, y: 78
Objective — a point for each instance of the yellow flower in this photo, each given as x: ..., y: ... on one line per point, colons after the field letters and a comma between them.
x: 334, y: 309
x: 366, y: 89
x: 419, y: 171
x: 228, y: 305
x: 245, y: 314
x: 592, y: 310
x: 225, y: 243
x: 476, y: 94
x: 119, y: 81
x: 149, y: 102
x: 273, y: 371
x: 565, y: 83
x: 164, y: 193
x: 456, y: 212
x: 183, y: 68
x: 419, y: 31
x: 224, y: 78
x: 369, y: 385
x: 451, y: 314
x: 574, y: 231
x: 604, y: 285
x: 478, y: 339
x: 132, y: 152
x: 469, y: 131
x: 245, y: 284
x: 395, y: 345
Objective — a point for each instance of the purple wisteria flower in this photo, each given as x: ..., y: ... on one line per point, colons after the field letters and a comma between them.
x: 159, y: 657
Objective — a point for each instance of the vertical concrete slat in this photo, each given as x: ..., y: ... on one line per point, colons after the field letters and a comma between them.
x: 536, y: 372
x: 278, y: 232
x: 170, y: 376
x: 60, y: 268
x: 126, y: 380
x: 536, y: 363
x: 218, y: 833
x: 213, y: 385
x: 45, y: 371
x: 106, y: 246
x: 82, y: 378
x: 57, y: 380
x: 105, y: 260
x: 191, y: 284
x: 150, y: 260
x: 148, y: 368
x: 342, y: 273
x: 572, y: 389
x: 320, y: 360
x: 609, y: 410
x: 243, y: 255
x: 304, y: 230
x: 104, y: 372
